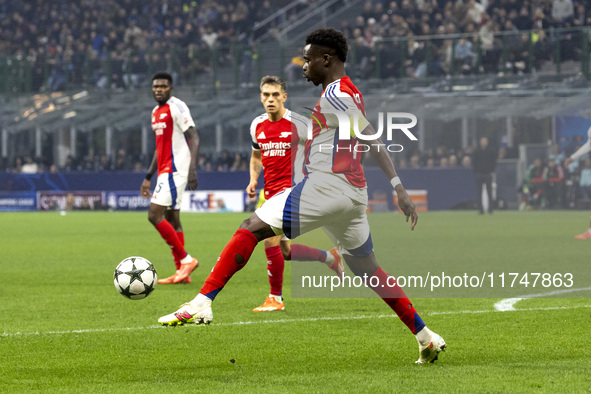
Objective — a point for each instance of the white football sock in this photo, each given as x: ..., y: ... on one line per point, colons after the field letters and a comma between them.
x: 187, y: 259
x: 200, y: 302
x: 329, y: 258
x: 277, y: 298
x: 424, y: 336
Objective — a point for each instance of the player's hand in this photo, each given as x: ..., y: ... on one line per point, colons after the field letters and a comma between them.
x: 407, y: 207
x: 568, y: 161
x: 251, y: 189
x: 145, y: 189
x: 192, y: 182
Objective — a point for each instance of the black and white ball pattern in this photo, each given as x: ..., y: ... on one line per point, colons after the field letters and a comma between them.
x: 135, y: 278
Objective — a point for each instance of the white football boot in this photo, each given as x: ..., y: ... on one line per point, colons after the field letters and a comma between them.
x: 430, y: 347
x: 188, y: 314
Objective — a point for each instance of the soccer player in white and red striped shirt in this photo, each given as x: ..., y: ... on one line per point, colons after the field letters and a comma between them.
x: 276, y: 148
x: 177, y: 144
x: 333, y: 195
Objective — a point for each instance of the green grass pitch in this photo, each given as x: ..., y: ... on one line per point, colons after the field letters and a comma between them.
x: 64, y: 328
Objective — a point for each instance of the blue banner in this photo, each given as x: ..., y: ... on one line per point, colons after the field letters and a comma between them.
x: 18, y: 201
x: 446, y: 187
x: 571, y: 132
x: 130, y: 201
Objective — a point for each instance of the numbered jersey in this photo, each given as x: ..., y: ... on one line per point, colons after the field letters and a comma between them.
x: 169, y: 122
x: 278, y: 142
x: 326, y: 152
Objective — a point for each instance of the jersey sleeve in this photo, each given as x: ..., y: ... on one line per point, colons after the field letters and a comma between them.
x: 341, y: 105
x: 253, y: 130
x: 182, y: 116
x: 299, y: 127
x: 584, y: 149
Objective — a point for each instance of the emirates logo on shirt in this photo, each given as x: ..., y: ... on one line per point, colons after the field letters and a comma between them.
x: 275, y: 145
x: 158, y: 128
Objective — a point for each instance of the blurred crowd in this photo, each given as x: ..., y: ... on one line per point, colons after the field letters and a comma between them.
x: 121, y: 41
x: 118, y: 43
x: 440, y: 157
x: 497, y: 39
x: 123, y: 161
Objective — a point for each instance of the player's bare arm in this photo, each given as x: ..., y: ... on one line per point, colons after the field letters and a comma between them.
x: 193, y: 137
x: 256, y: 166
x: 383, y: 160
x: 145, y: 188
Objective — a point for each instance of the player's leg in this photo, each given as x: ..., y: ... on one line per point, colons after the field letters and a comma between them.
x: 232, y: 259
x: 298, y: 252
x: 173, y: 217
x: 281, y: 213
x: 234, y: 256
x: 275, y: 266
x: 185, y: 268
x: 360, y: 258
x: 479, y: 182
x: 168, y: 195
x: 352, y: 234
x: 430, y: 343
x: 488, y: 183
x: 157, y: 216
x: 586, y: 234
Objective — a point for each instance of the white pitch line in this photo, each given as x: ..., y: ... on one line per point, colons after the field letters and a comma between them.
x: 507, y: 304
x: 242, y: 323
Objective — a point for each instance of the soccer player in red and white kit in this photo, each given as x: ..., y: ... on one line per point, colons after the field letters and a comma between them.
x: 333, y: 195
x: 177, y: 144
x: 583, y: 150
x: 275, y: 137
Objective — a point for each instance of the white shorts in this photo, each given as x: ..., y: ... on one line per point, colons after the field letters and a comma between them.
x: 169, y: 190
x: 336, y: 206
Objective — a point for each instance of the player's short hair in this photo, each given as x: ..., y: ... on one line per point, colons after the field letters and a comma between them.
x: 166, y: 76
x: 330, y: 38
x: 272, y: 79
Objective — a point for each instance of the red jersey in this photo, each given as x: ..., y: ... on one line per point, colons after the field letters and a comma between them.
x: 278, y: 146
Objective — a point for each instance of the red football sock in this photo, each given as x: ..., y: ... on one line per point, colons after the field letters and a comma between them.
x: 394, y: 296
x: 234, y: 256
x: 275, y: 265
x: 181, y: 236
x: 305, y: 253
x: 170, y: 236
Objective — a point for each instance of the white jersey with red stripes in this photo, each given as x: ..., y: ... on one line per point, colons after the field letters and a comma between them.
x: 170, y: 121
x: 325, y: 152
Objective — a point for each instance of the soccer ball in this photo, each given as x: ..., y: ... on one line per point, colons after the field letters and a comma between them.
x: 135, y: 278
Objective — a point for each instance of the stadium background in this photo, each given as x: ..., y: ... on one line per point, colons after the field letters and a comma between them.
x: 76, y: 96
